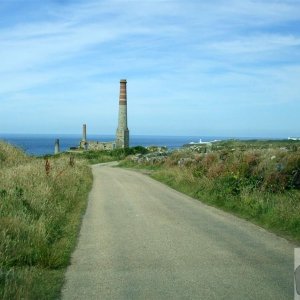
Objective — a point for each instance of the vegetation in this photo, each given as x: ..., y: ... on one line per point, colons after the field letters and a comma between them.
x: 257, y: 144
x: 259, y: 181
x: 94, y: 156
x: 40, y: 214
x: 41, y: 203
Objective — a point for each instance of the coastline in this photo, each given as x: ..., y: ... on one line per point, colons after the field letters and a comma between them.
x: 43, y: 144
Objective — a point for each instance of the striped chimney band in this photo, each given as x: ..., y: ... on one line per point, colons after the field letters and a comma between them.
x: 123, y: 92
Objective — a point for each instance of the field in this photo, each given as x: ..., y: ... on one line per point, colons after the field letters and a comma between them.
x: 257, y: 180
x: 40, y: 214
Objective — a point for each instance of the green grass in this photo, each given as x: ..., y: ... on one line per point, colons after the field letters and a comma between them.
x: 130, y: 164
x: 40, y: 216
x: 102, y: 156
x: 261, y: 184
x: 276, y: 212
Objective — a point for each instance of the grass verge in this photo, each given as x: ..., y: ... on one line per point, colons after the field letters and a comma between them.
x: 40, y: 215
x: 261, y: 185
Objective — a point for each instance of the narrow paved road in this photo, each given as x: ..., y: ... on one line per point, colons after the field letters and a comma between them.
x: 142, y: 240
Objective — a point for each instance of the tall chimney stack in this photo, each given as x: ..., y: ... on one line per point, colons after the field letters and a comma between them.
x: 122, y: 136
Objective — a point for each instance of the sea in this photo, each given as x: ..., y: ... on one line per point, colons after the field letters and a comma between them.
x: 42, y: 144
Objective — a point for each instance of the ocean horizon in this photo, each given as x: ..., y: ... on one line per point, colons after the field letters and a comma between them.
x: 43, y: 144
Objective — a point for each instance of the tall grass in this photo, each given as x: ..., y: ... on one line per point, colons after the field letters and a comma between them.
x: 39, y: 221
x: 261, y: 184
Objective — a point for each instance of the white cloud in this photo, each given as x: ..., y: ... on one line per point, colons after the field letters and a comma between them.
x: 256, y: 44
x: 198, y: 53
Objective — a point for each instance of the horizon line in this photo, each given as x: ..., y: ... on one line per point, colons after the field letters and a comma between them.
x: 153, y: 135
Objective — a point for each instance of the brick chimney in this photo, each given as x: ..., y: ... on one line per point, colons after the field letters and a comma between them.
x: 122, y: 135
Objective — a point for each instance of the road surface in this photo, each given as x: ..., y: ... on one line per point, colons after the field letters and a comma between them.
x: 142, y: 240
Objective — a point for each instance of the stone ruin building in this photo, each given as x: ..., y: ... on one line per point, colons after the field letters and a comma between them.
x: 122, y: 134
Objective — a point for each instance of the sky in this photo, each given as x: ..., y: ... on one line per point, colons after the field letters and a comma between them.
x: 193, y: 67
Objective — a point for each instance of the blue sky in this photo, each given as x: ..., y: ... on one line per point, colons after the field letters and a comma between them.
x: 218, y: 67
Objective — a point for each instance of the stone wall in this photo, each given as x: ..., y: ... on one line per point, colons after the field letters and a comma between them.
x: 91, y: 145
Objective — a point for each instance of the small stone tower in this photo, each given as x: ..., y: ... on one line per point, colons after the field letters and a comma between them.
x: 84, y: 133
x: 122, y: 136
x: 56, y: 147
x: 84, y: 142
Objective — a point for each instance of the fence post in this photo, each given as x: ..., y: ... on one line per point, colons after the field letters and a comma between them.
x: 72, y: 161
x: 47, y: 166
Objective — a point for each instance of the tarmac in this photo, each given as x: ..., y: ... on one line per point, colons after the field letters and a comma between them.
x: 143, y: 240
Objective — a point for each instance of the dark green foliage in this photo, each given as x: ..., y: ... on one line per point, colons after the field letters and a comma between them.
x: 230, y: 185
